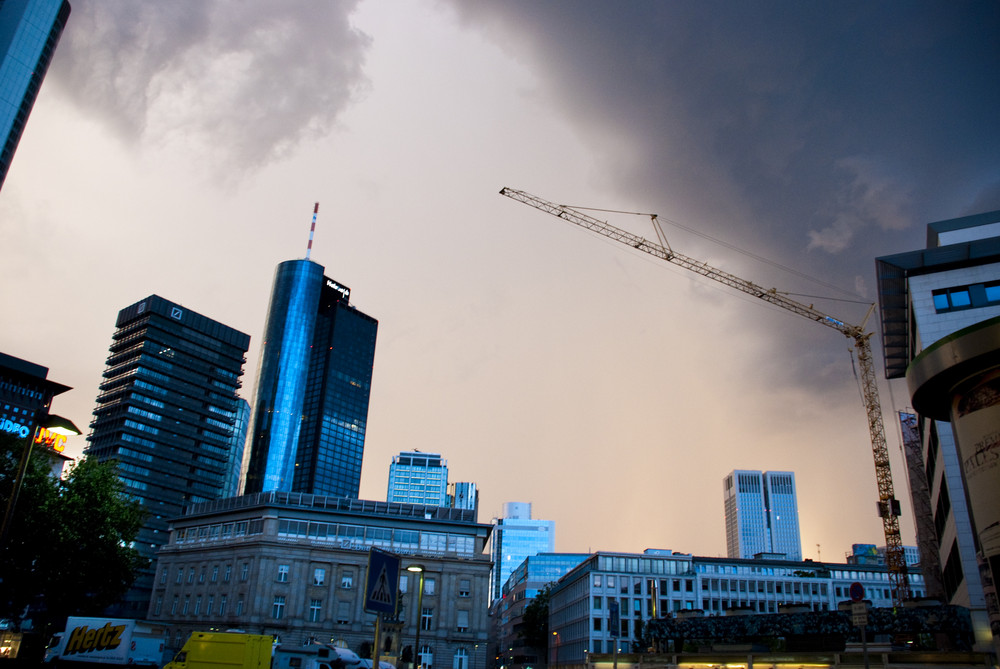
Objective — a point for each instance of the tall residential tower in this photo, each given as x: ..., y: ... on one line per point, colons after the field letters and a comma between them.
x: 307, y: 431
x: 166, y: 414
x: 762, y: 514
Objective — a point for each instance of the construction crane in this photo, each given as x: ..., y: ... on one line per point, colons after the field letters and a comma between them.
x: 888, y: 506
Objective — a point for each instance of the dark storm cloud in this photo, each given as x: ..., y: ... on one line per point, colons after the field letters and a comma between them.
x: 249, y: 79
x: 830, y: 124
x: 819, y: 135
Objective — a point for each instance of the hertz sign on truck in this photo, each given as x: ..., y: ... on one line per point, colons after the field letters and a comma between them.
x: 108, y: 641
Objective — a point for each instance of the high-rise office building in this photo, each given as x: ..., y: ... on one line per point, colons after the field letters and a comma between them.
x: 933, y: 302
x: 310, y: 412
x: 762, y: 514
x: 517, y: 536
x: 29, y: 32
x: 463, y: 495
x: 166, y: 414
x: 418, y: 478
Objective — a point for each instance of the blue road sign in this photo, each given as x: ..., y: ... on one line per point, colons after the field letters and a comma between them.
x: 382, y: 582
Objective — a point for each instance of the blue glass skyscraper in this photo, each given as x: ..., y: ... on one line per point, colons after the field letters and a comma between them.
x: 307, y: 430
x: 29, y: 32
x: 762, y: 514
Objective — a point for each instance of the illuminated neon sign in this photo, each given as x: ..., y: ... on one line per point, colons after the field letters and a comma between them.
x: 9, y: 426
x: 49, y: 439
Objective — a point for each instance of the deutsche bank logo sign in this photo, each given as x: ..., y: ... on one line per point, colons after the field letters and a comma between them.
x: 382, y: 582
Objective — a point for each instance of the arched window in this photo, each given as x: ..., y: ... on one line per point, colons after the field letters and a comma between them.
x: 426, y: 659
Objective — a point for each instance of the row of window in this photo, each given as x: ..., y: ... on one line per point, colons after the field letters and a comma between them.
x: 958, y: 298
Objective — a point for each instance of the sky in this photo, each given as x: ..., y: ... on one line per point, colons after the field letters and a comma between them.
x: 178, y: 149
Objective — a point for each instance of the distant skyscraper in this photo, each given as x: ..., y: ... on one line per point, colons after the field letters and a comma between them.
x: 307, y: 431
x: 418, y: 478
x: 761, y: 514
x: 29, y: 32
x: 234, y: 467
x: 463, y: 495
x: 166, y: 414
x: 516, y: 537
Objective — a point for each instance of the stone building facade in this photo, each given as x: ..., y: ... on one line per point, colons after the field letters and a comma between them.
x: 294, y: 566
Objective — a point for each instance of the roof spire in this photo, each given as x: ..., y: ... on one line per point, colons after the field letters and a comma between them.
x: 312, y: 230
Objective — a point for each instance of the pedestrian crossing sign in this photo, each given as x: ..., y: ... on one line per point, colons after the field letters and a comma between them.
x: 382, y: 582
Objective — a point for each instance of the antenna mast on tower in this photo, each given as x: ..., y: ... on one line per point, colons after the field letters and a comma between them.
x: 312, y: 230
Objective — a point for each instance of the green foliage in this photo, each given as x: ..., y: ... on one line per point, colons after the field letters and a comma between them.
x: 68, y: 549
x: 535, y: 621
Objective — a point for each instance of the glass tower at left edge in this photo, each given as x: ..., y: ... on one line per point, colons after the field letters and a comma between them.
x: 310, y: 411
x: 29, y: 32
x: 167, y: 412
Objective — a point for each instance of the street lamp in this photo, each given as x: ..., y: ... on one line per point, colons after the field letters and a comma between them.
x: 418, y: 569
x: 555, y: 660
x: 56, y: 425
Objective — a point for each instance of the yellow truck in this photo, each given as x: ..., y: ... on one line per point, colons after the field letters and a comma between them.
x: 224, y: 650
x: 237, y: 650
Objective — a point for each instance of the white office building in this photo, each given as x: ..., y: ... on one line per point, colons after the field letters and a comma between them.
x: 762, y: 515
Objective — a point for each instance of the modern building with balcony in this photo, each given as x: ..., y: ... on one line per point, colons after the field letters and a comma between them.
x: 603, y: 602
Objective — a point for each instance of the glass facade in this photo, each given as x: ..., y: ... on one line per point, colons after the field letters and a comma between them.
x: 29, y: 32
x: 761, y: 514
x: 314, y: 381
x: 418, y: 478
x: 167, y: 413
x: 515, y: 539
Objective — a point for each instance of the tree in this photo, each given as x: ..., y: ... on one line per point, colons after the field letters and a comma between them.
x: 535, y: 621
x: 69, y: 547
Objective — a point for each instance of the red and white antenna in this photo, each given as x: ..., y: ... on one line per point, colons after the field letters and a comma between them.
x: 312, y: 231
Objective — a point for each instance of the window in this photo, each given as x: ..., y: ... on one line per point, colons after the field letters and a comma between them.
x: 343, y: 613
x: 598, y: 603
x: 611, y: 581
x: 428, y: 586
x: 159, y: 605
x: 319, y: 576
x: 597, y: 580
x: 163, y: 576
x: 426, y: 618
x: 461, y: 659
x: 462, y: 624
x: 278, y: 608
x: 191, y: 575
x: 227, y: 573
x: 347, y: 580
x: 211, y: 604
x: 173, y: 607
x: 426, y: 659
x: 972, y: 296
x: 245, y: 571
x: 315, y: 610
x: 215, y: 573
x: 187, y: 604
x: 180, y: 574
x: 464, y: 588
x: 197, y: 605
x: 239, y: 606
x: 222, y: 605
x: 598, y: 624
x: 282, y: 573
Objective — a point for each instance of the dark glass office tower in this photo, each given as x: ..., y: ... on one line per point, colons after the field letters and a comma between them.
x: 311, y: 408
x: 166, y: 414
x: 29, y: 32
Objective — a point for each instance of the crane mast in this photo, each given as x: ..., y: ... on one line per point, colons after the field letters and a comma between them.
x: 888, y: 506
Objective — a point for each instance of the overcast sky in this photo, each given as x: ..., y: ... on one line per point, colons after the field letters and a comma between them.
x: 177, y: 148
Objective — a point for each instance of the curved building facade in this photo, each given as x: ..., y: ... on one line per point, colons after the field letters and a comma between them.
x: 313, y: 383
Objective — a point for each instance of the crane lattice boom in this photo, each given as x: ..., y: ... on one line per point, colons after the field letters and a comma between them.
x: 887, y: 505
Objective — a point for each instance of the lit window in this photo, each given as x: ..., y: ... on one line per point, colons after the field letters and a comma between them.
x: 282, y: 573
x: 319, y: 576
